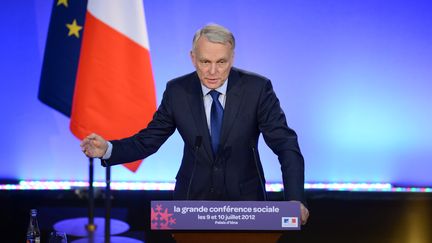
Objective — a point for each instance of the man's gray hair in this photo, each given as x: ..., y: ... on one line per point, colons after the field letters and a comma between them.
x: 214, y: 33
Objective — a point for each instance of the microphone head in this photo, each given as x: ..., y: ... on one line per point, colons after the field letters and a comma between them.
x: 198, y: 141
x: 252, y: 144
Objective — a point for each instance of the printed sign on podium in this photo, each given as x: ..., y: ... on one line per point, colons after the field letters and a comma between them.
x: 225, y: 215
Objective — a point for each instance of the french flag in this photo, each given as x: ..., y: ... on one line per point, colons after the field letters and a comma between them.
x: 290, y: 222
x: 113, y: 90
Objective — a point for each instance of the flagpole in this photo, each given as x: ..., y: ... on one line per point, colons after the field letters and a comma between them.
x: 91, y: 227
x: 108, y: 205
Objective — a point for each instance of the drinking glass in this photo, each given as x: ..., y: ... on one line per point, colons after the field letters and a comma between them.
x: 57, y: 237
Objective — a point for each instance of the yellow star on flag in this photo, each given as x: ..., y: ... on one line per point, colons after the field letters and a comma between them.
x: 62, y: 2
x: 74, y: 29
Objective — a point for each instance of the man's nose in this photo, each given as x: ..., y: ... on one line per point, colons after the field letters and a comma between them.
x: 212, y: 69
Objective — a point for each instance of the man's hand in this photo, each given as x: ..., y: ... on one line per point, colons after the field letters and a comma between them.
x: 304, y: 213
x: 94, y: 146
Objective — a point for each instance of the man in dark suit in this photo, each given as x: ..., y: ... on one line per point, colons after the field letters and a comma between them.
x: 219, y: 111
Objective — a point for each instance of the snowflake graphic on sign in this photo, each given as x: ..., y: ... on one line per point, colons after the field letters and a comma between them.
x: 161, y: 218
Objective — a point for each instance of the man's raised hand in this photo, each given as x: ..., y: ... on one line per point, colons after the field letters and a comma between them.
x: 94, y: 146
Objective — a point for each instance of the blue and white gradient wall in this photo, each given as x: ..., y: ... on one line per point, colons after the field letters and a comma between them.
x: 354, y: 78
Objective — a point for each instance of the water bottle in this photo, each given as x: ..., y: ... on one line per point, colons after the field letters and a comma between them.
x: 33, y: 233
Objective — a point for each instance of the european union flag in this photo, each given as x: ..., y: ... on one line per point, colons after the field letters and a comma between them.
x: 62, y: 53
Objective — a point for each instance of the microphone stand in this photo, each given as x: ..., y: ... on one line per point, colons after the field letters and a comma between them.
x: 259, y: 171
x: 198, y: 141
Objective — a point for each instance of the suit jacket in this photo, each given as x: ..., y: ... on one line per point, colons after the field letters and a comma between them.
x: 251, y: 108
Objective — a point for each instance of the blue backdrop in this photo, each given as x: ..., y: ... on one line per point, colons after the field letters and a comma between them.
x: 354, y: 78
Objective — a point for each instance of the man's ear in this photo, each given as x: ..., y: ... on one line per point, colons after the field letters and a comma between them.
x: 193, y: 58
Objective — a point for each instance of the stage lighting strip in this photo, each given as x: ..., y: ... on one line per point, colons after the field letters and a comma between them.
x: 165, y: 186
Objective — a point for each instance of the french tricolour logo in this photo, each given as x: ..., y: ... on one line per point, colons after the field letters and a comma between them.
x: 289, y: 222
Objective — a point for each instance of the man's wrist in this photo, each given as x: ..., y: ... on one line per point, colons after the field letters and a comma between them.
x: 108, y: 152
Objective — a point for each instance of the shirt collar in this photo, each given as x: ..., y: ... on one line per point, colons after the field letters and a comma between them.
x: 222, y: 89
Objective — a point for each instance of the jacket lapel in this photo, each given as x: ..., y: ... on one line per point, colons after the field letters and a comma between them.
x: 232, y: 104
x: 196, y: 104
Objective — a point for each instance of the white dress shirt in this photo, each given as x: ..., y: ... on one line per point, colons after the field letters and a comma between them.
x: 208, y: 100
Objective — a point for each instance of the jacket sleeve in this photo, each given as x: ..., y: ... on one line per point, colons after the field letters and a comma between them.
x: 283, y: 142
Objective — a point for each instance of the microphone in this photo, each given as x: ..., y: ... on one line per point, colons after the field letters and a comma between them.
x: 198, y: 141
x: 252, y: 144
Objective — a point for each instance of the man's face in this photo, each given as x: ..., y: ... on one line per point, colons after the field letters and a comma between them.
x: 212, y: 61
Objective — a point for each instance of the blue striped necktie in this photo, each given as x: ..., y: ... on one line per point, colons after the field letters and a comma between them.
x: 216, y: 116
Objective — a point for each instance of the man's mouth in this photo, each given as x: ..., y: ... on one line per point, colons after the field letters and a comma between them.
x: 212, y: 80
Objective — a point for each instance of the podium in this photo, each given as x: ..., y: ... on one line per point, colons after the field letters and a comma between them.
x: 225, y: 221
